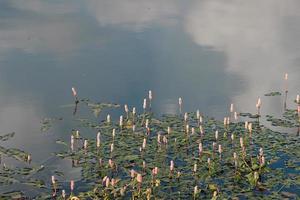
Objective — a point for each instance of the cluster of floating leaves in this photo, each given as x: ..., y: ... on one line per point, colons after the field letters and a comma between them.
x: 47, y: 123
x: 17, y: 175
x: 172, y: 156
x: 273, y: 94
x: 146, y: 157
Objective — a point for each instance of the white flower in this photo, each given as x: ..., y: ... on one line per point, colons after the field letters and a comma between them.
x: 185, y: 117
x: 121, y: 121
x: 144, y: 144
x: 241, y: 142
x: 263, y: 161
x: 235, y: 116
x: 72, y: 142
x: 246, y: 125
x: 196, y: 190
x: 85, y: 144
x: 180, y: 101
x: 250, y: 127
x: 234, y: 156
x: 198, y: 114
x: 195, y: 167
x: 53, y: 180
x: 145, y: 104
x: 139, y: 178
x: 111, y: 147
x: 169, y: 130
x: 201, y: 129
x: 126, y: 108
x: 63, y: 194
x: 98, y: 139
x: 193, y: 131
x: 208, y: 161
x: 232, y: 136
x: 158, y: 138
x: 187, y: 128
x: 258, y: 104
x: 261, y: 151
x: 220, y: 149
x: 200, y: 148
x: 171, y: 165
x: 133, y: 111
x: 150, y: 94
x: 286, y: 76
x: 74, y: 92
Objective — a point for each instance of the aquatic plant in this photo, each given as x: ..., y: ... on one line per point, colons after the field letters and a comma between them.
x: 141, y: 156
x: 162, y: 158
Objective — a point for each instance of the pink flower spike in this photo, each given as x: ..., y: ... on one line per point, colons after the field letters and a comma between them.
x: 74, y: 92
x: 72, y: 185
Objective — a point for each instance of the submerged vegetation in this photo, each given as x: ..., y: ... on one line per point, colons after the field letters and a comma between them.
x: 184, y: 156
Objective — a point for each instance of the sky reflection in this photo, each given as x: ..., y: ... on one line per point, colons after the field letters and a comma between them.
x: 209, y: 52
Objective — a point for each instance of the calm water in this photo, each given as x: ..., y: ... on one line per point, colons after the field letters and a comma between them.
x: 210, y: 52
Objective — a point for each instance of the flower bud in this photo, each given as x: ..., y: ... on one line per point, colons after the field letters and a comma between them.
x: 155, y: 171
x: 185, y: 117
x: 133, y: 111
x: 53, y: 180
x: 169, y: 130
x: 241, y: 142
x: 110, y: 163
x: 63, y: 194
x: 85, y: 144
x: 111, y: 147
x: 74, y: 92
x: 198, y: 114
x: 72, y: 184
x: 121, y: 121
x: 145, y: 104
x: 165, y: 140
x: 235, y: 116
x: 196, y: 190
x: 195, y: 168
x: 126, y: 108
x: 113, y: 133
x: 246, y: 125
x: 150, y: 95
x: 139, y: 178
x: 171, y: 165
x: 200, y: 148
x: 220, y: 149
x: 144, y: 144
x: 232, y: 136
x: 98, y: 139
x: 132, y: 173
x: 180, y: 101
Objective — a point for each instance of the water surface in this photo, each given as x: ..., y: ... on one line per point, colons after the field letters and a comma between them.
x: 210, y: 52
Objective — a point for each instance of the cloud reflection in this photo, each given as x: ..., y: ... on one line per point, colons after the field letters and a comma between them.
x: 134, y: 14
x: 255, y: 38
